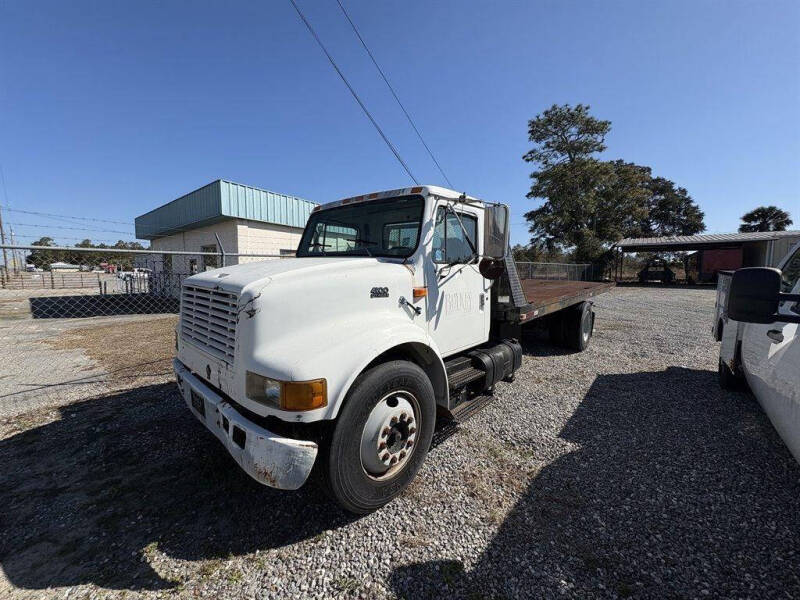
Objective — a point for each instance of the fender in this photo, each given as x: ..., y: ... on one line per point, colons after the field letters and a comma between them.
x: 358, y: 351
x: 326, y: 349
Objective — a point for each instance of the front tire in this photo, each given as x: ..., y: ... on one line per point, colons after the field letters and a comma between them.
x: 393, y: 408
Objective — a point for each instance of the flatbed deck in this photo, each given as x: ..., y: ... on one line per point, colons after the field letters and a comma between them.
x: 548, y: 296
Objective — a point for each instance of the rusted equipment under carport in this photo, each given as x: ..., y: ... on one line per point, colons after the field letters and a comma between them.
x: 714, y: 252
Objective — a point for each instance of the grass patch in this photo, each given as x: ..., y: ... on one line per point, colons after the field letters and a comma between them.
x: 347, y: 584
x: 132, y: 349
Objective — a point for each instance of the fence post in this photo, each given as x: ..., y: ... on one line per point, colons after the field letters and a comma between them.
x: 221, y: 250
x: 52, y: 280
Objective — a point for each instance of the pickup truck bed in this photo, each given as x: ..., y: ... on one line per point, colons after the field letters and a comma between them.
x: 548, y: 296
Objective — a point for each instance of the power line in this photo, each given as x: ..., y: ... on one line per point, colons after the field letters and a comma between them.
x: 391, y: 89
x: 43, y: 214
x: 353, y: 92
x: 49, y: 226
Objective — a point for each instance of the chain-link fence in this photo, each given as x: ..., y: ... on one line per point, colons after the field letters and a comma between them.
x: 567, y: 271
x: 80, y: 322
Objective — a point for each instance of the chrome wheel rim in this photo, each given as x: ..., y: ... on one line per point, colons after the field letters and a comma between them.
x: 586, y: 326
x: 389, y: 436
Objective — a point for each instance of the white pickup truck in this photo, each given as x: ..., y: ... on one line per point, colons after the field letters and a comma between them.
x: 757, y: 317
x: 399, y: 306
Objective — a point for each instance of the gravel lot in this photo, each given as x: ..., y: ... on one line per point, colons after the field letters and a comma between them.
x: 620, y: 472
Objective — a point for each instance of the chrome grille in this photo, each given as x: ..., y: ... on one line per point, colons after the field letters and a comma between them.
x: 208, y: 320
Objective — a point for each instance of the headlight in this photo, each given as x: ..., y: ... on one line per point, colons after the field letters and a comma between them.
x: 286, y: 395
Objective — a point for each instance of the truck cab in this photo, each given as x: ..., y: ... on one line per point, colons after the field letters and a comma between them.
x: 759, y: 316
x: 340, y: 359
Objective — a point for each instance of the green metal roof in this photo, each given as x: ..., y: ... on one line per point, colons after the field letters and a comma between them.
x: 220, y: 200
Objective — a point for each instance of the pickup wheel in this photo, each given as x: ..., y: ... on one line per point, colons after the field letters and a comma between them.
x: 381, y: 436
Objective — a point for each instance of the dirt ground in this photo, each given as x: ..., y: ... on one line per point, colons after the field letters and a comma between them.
x: 48, y: 362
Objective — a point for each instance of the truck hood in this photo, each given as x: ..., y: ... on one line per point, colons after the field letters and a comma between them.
x: 250, y: 277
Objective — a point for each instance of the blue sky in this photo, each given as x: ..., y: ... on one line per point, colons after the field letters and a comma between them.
x: 109, y: 109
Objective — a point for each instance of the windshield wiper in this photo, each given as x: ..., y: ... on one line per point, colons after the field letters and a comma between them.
x: 364, y: 243
x: 319, y: 245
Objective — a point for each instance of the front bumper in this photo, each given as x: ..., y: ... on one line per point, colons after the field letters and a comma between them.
x: 270, y: 459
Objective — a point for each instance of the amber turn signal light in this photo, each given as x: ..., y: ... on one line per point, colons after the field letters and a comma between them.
x: 420, y: 292
x: 304, y: 395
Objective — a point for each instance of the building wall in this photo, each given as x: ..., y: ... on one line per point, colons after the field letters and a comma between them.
x: 267, y: 238
x: 780, y: 248
x: 237, y: 237
x: 192, y: 241
x: 754, y: 254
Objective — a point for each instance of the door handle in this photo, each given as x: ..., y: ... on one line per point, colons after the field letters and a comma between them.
x: 776, y: 335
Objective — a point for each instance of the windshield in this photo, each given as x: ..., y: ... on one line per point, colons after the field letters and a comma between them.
x: 387, y: 227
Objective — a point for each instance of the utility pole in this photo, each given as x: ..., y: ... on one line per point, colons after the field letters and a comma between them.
x: 3, y: 241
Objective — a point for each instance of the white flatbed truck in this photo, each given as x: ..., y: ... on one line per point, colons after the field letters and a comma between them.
x: 399, y: 306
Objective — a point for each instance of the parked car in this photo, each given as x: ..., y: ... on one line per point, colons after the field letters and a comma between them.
x: 656, y: 269
x: 758, y: 316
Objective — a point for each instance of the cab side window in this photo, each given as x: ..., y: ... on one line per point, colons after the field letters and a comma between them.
x: 790, y: 275
x: 450, y: 245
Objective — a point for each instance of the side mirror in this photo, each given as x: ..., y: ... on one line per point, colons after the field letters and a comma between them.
x: 495, y: 231
x: 491, y: 268
x: 754, y: 295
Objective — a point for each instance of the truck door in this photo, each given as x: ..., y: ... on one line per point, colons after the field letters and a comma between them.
x: 771, y: 355
x: 458, y: 302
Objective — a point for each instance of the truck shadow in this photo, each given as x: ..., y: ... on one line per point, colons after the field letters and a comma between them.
x: 88, y: 496
x: 677, y: 487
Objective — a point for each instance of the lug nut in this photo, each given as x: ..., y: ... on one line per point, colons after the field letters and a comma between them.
x: 385, y: 431
x: 393, y: 421
x: 403, y: 416
x: 402, y: 454
x: 385, y: 456
x: 411, y: 430
x: 410, y: 420
x: 394, y: 460
x: 382, y: 446
x: 409, y: 443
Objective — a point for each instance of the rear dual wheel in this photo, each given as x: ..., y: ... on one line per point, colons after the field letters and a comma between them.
x: 573, y: 327
x: 381, y: 437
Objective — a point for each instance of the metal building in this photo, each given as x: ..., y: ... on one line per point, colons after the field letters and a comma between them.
x: 717, y: 251
x: 246, y: 219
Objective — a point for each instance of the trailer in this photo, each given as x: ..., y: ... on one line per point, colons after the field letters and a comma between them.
x: 400, y: 306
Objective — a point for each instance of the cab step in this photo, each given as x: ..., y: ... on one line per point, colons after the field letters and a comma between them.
x: 461, y: 371
x: 468, y: 408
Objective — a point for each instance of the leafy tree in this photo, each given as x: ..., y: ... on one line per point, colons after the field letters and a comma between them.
x: 671, y: 210
x: 42, y: 259
x: 568, y: 175
x: 765, y: 218
x: 589, y: 203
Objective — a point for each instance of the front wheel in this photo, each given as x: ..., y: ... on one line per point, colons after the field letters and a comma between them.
x: 381, y: 437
